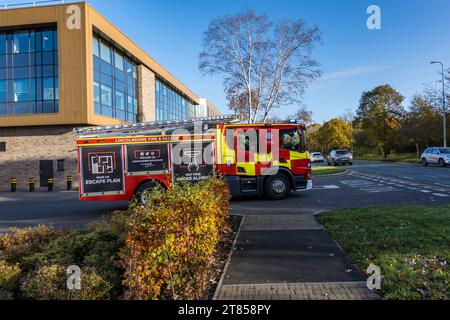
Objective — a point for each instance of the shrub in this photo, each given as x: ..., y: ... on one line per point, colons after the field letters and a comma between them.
x: 50, y: 283
x: 21, y: 243
x: 9, y: 275
x: 47, y: 283
x: 43, y: 254
x: 171, y: 241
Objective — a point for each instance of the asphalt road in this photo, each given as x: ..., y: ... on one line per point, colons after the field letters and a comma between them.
x: 60, y: 209
x: 368, y: 184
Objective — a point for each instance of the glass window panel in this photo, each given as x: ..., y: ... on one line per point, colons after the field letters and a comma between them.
x: 96, y: 63
x: 95, y: 47
x: 48, y: 107
x: 38, y: 58
x: 120, y: 75
x: 39, y: 89
x: 38, y: 41
x: 32, y: 89
x: 106, y: 68
x: 56, y: 88
x: 3, y: 91
x: 106, y: 93
x: 118, y: 61
x: 48, y: 89
x: 3, y: 108
x: 21, y: 90
x: 47, y: 40
x: 22, y: 107
x: 107, y: 111
x: 120, y: 85
x: 107, y: 80
x: 21, y: 60
x: 120, y: 100
x: 55, y: 40
x: 131, y: 117
x: 105, y: 52
x: 120, y: 114
x: 96, y: 92
x: 21, y: 42
x: 130, y: 104
x: 47, y: 71
x: 38, y: 71
x: 2, y: 43
x: 97, y: 108
x: 3, y: 61
x: 47, y: 58
x: 97, y: 76
x: 20, y: 73
x: 32, y: 41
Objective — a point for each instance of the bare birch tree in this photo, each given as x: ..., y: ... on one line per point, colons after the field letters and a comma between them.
x: 264, y: 64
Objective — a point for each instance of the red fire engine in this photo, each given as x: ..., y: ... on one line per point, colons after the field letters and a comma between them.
x: 124, y: 161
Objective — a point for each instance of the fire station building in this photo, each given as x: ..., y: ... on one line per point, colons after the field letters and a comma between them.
x: 64, y: 66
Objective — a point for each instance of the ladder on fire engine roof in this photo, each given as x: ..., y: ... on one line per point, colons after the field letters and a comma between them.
x: 151, y: 127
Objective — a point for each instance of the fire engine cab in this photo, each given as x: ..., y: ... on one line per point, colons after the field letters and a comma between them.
x: 125, y: 161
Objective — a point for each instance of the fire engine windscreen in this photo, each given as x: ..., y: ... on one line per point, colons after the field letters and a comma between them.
x: 292, y: 139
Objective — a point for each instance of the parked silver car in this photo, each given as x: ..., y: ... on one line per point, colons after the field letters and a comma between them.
x: 439, y: 156
x: 317, y: 157
x: 341, y: 156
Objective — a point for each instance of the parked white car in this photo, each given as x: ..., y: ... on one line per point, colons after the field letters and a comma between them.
x: 439, y: 156
x: 317, y: 157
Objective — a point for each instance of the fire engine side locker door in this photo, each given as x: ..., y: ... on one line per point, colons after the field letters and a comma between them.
x: 102, y: 170
x: 192, y: 161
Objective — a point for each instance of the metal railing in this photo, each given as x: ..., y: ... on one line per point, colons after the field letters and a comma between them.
x: 32, y: 4
x: 136, y: 128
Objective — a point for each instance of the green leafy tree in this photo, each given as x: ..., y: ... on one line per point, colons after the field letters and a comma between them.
x: 380, y: 113
x: 312, y: 138
x: 334, y: 134
x: 422, y: 123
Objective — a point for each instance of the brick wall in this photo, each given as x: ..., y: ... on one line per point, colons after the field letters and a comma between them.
x: 146, y: 94
x: 26, y: 146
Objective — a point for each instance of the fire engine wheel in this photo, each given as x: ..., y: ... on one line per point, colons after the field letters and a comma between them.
x: 277, y: 187
x: 142, y: 191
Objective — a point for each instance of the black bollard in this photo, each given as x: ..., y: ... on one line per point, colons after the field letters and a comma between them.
x: 31, y: 182
x: 13, y: 185
x: 50, y: 184
x: 69, y: 183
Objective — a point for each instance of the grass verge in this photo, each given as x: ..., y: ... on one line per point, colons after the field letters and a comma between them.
x: 411, y: 245
x: 405, y: 158
x: 324, y: 170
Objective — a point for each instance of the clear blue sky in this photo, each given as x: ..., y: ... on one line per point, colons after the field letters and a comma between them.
x: 353, y: 58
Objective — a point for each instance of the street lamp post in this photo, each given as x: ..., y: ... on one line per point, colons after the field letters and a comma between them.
x: 443, y: 102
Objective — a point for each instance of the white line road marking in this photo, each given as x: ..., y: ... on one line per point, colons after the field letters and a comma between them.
x: 369, y: 186
x: 374, y: 184
x: 440, y: 195
x: 327, y: 187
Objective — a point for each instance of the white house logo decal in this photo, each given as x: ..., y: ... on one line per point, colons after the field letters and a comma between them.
x: 102, y: 163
